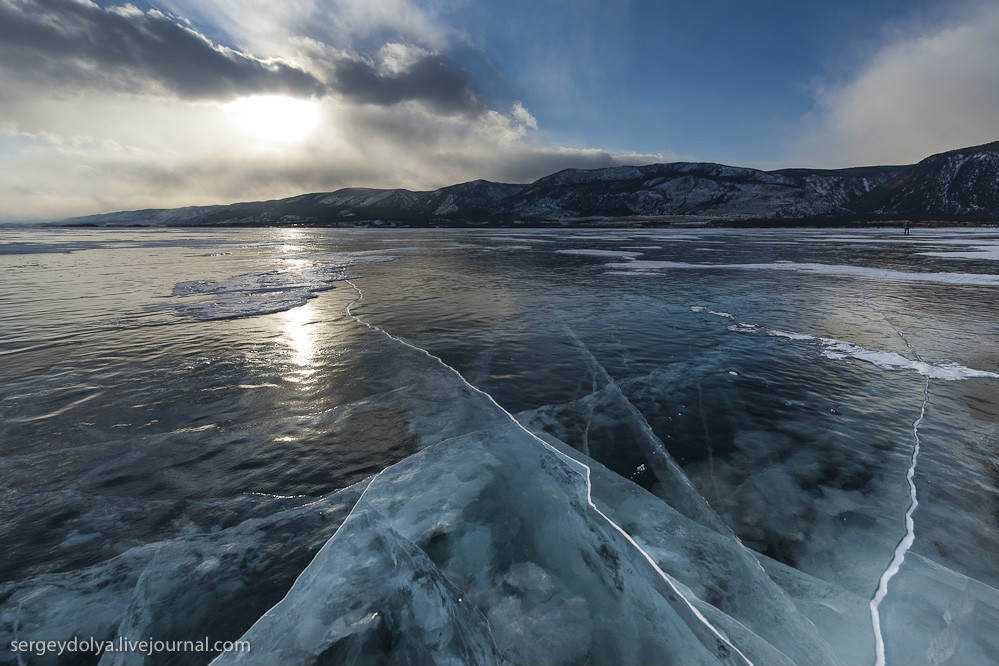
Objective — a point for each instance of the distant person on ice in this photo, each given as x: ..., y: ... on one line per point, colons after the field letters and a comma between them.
x: 906, y: 231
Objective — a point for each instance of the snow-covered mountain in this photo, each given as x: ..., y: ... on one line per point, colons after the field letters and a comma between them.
x: 684, y: 188
x: 475, y: 200
x: 958, y: 184
x: 165, y: 217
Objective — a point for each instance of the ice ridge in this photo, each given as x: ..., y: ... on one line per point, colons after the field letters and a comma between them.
x: 678, y: 490
x: 723, y: 644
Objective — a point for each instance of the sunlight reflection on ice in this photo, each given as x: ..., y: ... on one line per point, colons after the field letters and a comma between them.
x: 300, y: 336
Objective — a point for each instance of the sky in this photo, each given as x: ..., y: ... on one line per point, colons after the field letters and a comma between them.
x: 113, y: 106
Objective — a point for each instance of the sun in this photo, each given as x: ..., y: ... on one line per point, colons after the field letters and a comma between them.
x: 276, y: 119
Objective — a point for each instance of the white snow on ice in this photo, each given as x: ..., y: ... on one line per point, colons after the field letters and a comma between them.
x: 269, y: 291
x: 790, y: 334
x: 601, y: 253
x: 822, y: 269
x: 984, y: 252
x: 840, y: 349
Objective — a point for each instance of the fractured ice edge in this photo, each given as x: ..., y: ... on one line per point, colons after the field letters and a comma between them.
x: 479, y: 549
x: 491, y: 545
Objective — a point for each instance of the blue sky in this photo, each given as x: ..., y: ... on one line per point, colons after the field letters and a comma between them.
x: 111, y: 106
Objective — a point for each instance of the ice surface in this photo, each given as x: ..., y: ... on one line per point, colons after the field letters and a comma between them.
x: 551, y: 566
x: 370, y: 596
x: 205, y: 585
x: 46, y: 248
x: 557, y: 578
x: 606, y: 426
x: 935, y: 615
x: 841, y: 617
x: 706, y: 490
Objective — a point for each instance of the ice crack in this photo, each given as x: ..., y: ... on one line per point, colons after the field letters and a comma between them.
x: 723, y: 643
x: 910, y: 526
x: 707, y: 440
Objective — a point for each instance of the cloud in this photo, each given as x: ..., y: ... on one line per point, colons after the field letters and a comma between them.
x: 922, y: 94
x: 523, y: 116
x: 120, y: 108
x: 265, y: 26
x: 406, y: 73
x: 75, y: 43
x: 99, y: 158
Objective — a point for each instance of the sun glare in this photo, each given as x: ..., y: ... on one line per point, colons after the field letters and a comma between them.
x: 300, y: 336
x: 276, y: 119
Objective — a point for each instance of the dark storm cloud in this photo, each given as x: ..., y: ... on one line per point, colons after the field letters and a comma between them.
x: 69, y: 40
x: 432, y: 78
x: 75, y: 43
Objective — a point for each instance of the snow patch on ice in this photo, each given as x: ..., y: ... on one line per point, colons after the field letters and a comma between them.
x: 984, y: 252
x: 820, y: 269
x: 386, y: 250
x: 790, y: 334
x: 270, y: 291
x: 601, y: 253
x: 838, y: 349
x: 522, y: 239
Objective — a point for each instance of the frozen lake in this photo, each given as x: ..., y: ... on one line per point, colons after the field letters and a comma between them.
x: 554, y: 447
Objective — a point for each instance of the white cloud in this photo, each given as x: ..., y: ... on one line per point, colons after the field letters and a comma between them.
x: 265, y: 26
x: 920, y: 95
x: 397, y: 58
x: 523, y: 117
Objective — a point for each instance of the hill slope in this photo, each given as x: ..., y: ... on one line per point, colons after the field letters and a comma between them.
x: 959, y: 184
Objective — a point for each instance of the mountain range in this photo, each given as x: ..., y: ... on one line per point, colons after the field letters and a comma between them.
x: 957, y: 185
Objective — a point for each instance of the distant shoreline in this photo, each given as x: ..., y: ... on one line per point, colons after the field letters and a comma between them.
x: 618, y: 224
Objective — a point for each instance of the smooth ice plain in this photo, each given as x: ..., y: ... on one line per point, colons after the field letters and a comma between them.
x: 518, y: 447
